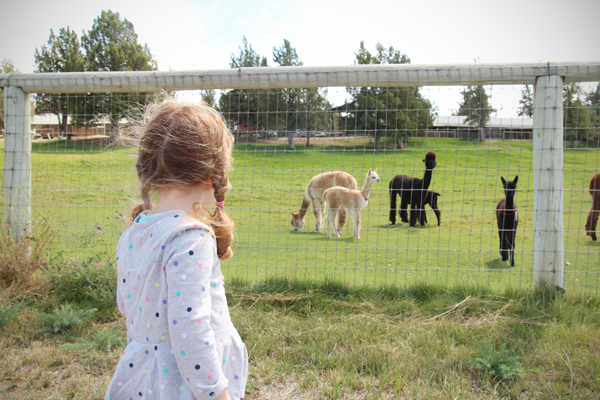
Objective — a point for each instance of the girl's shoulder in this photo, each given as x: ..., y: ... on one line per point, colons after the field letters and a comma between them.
x: 170, y: 224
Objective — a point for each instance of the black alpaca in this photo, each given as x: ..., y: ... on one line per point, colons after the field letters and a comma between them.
x: 508, y: 219
x: 413, y: 191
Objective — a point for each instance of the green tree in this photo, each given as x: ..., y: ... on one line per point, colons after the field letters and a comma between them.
x: 112, y: 45
x: 6, y: 67
x: 475, y: 105
x: 526, y: 103
x: 580, y: 120
x: 593, y: 102
x: 387, y: 112
x: 245, y: 107
x: 62, y: 53
x: 305, y: 108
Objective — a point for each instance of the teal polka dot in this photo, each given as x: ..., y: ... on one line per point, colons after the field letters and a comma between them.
x: 131, y: 246
x: 166, y: 371
x: 182, y: 353
x: 214, y: 285
x: 178, y: 245
x: 178, y: 293
x: 224, y: 361
x: 128, y: 296
x: 140, y: 308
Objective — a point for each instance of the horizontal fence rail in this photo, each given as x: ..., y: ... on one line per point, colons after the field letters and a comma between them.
x: 381, y: 75
x: 288, y: 130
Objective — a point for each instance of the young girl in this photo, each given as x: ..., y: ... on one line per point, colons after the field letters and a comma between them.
x: 181, y: 343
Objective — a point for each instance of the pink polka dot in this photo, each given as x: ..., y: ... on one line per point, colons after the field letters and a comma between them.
x: 200, y: 265
x: 147, y: 298
x: 138, y: 277
x: 199, y: 320
x: 196, y: 225
x: 209, y: 377
x: 132, y: 379
x: 134, y: 288
x: 153, y: 247
x: 136, y: 328
x: 220, y: 340
x: 164, y: 269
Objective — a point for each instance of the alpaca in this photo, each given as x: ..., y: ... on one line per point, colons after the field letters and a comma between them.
x: 592, y: 219
x: 431, y: 198
x: 339, y: 198
x: 508, y: 219
x: 314, y: 194
x: 412, y: 191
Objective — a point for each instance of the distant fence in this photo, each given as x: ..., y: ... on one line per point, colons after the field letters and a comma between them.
x: 287, y: 131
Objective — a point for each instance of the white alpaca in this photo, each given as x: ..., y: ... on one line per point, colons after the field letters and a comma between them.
x: 314, y: 194
x: 339, y: 198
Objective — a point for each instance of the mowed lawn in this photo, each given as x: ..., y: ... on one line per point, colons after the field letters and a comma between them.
x: 84, y: 188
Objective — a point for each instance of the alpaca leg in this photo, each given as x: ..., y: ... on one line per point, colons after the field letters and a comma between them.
x: 500, y: 235
x: 403, y: 212
x: 318, y: 216
x: 422, y: 216
x: 512, y: 248
x: 591, y: 223
x: 342, y: 219
x: 328, y: 219
x: 413, y: 214
x: 505, y: 245
x: 334, y: 217
x: 357, y: 224
x: 322, y: 215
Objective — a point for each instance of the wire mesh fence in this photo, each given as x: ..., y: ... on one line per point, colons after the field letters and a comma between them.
x: 289, y: 130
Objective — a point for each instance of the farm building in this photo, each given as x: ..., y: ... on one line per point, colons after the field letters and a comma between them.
x: 46, y: 126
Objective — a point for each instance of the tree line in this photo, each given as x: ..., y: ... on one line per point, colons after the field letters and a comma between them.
x: 394, y: 114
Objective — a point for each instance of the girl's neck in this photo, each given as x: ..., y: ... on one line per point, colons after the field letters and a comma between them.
x: 184, y: 198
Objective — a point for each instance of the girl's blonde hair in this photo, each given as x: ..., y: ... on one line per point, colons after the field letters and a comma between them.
x: 185, y: 144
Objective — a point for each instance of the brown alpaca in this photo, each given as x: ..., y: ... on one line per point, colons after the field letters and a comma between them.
x: 314, y: 194
x: 592, y: 219
x: 339, y: 198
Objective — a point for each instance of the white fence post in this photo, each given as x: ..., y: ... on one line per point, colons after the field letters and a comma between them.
x: 548, y: 160
x: 17, y: 161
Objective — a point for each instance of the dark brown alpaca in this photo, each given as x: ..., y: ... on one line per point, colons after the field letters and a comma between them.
x: 412, y: 191
x: 592, y: 219
x: 508, y: 219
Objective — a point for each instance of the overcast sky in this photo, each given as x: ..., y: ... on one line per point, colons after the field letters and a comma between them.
x: 197, y: 34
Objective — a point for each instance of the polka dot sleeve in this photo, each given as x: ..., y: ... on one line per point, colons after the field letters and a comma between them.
x: 190, y: 270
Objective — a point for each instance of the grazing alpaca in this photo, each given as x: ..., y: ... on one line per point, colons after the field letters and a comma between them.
x: 508, y: 219
x: 592, y: 219
x: 314, y: 194
x: 412, y: 191
x: 339, y: 198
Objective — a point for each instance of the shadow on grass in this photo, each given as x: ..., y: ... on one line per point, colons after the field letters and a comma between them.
x: 498, y: 264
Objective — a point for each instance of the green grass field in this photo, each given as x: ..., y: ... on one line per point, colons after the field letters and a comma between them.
x: 79, y: 185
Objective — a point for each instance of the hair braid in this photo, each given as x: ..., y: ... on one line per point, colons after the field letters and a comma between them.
x: 222, y: 225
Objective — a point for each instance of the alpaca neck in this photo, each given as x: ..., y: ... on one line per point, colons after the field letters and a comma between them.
x: 427, y: 178
x: 366, y: 190
x: 510, y: 203
x: 303, y: 208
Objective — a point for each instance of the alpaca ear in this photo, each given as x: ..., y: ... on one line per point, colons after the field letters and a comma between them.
x: 516, y: 179
x: 375, y: 169
x: 503, y: 181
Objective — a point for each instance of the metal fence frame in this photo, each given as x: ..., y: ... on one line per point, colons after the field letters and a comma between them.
x: 548, y: 79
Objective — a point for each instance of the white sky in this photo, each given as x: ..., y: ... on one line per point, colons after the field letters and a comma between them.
x: 197, y: 34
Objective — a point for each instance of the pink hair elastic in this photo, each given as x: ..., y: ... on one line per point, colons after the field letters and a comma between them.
x: 220, y: 203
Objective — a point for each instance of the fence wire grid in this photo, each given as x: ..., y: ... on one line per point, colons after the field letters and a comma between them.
x: 83, y: 179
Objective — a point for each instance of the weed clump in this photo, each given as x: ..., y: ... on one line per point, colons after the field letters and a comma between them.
x: 500, y: 363
x: 63, y: 319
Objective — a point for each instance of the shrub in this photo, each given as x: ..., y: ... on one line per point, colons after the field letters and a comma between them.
x: 102, y: 340
x: 92, y: 284
x: 63, y: 319
x: 501, y: 363
x: 18, y: 261
x: 6, y: 314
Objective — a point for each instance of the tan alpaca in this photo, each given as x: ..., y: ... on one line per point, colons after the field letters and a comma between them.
x: 314, y: 194
x: 339, y: 198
